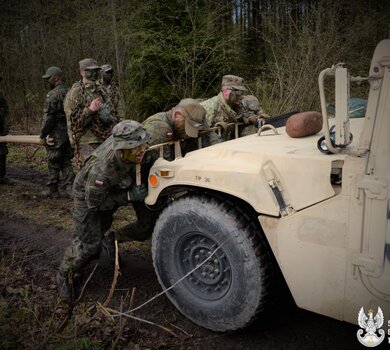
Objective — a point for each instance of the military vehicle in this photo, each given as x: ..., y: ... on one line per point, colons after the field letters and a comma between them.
x: 314, y: 211
x: 314, y: 208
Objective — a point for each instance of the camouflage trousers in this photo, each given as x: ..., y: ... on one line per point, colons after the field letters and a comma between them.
x: 90, y: 227
x: 59, y: 160
x: 140, y: 230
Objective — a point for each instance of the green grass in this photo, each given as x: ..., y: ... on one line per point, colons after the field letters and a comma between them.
x: 31, y: 156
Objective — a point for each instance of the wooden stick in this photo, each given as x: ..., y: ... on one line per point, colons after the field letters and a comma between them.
x: 116, y: 274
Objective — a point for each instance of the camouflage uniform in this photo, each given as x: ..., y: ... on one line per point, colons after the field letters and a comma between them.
x: 218, y: 111
x: 161, y: 129
x: 100, y: 187
x: 249, y: 113
x: 60, y: 154
x: 112, y: 92
x: 87, y: 129
x: 4, y: 112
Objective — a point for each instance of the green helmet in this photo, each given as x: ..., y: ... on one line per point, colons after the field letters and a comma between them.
x: 129, y: 134
x: 250, y: 103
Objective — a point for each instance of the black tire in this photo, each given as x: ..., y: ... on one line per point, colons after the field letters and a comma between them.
x: 233, y: 287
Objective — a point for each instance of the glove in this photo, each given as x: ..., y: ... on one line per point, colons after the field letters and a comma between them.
x: 137, y: 193
x: 49, y: 141
x: 250, y: 119
x: 42, y: 141
x: 95, y: 105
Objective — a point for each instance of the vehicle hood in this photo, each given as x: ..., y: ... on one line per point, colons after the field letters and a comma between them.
x: 239, y: 167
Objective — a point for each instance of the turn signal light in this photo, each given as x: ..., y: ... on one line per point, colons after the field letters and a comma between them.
x: 153, y: 180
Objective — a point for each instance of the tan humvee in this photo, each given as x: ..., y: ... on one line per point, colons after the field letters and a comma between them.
x: 242, y: 210
x: 265, y: 202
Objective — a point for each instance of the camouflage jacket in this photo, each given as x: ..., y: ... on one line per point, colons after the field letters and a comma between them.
x: 54, y: 119
x: 161, y: 129
x: 218, y: 111
x: 245, y: 111
x: 84, y: 125
x: 4, y: 113
x: 104, y: 180
x: 113, y: 94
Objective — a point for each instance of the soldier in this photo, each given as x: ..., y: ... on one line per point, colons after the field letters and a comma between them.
x: 4, y: 112
x: 183, y: 122
x: 112, y: 91
x: 222, y: 109
x: 250, y: 114
x: 106, y: 182
x: 88, y: 112
x: 54, y: 135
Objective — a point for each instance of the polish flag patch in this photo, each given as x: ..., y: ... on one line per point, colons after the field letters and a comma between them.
x: 99, y: 183
x: 169, y: 135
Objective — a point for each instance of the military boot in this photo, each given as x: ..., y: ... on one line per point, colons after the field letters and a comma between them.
x: 52, y: 192
x: 64, y: 289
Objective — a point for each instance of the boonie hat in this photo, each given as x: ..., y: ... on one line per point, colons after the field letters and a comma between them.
x: 233, y: 81
x: 88, y: 63
x: 52, y: 71
x: 250, y: 103
x: 129, y: 134
x: 194, y: 115
x: 106, y: 68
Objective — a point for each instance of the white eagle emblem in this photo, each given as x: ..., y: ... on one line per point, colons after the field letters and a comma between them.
x: 370, y: 324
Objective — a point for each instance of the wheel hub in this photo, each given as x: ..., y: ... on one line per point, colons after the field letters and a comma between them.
x: 212, y: 278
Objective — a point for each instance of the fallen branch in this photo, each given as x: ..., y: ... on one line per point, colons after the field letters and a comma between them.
x: 178, y: 328
x: 122, y: 323
x: 116, y: 274
x: 109, y: 311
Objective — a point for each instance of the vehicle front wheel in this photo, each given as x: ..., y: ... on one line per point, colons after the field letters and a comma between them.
x: 229, y: 290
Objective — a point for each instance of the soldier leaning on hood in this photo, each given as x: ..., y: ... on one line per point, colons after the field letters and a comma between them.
x: 222, y: 109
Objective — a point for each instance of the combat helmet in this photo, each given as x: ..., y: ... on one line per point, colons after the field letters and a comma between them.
x: 250, y: 103
x: 129, y: 134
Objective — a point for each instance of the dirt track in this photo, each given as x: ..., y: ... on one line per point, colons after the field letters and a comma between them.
x: 40, y: 249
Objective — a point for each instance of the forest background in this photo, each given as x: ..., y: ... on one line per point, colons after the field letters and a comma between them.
x: 166, y: 50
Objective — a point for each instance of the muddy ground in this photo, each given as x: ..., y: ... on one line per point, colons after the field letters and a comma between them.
x: 31, y: 315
